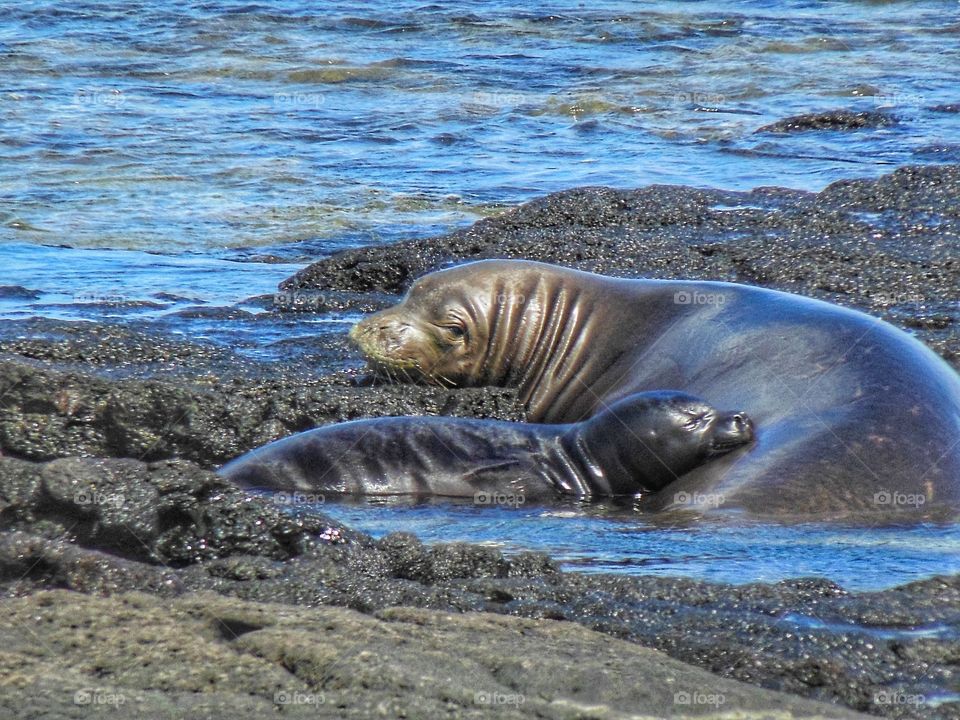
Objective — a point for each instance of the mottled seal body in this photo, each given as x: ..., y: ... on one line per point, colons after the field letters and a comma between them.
x: 637, y: 445
x: 853, y: 415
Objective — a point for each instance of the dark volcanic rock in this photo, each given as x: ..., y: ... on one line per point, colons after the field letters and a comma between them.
x: 110, y: 345
x: 46, y: 414
x: 171, y: 513
x: 830, y: 120
x: 807, y: 637
x: 31, y: 562
x: 173, y: 529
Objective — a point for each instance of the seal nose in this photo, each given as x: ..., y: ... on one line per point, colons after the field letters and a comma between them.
x: 731, y: 430
x: 742, y: 425
x: 356, y: 331
x: 360, y: 334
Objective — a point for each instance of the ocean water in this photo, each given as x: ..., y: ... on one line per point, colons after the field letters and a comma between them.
x: 595, y: 538
x: 211, y: 126
x: 157, y: 156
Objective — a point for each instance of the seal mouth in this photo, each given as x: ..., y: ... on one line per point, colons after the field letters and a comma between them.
x: 730, y: 431
x: 393, y: 370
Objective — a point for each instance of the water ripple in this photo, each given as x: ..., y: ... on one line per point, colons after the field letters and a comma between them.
x: 206, y: 125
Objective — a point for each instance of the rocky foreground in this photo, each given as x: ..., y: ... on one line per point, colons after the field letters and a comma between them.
x: 137, y: 583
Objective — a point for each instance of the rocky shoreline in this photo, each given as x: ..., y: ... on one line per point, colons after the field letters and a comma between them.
x: 131, y: 571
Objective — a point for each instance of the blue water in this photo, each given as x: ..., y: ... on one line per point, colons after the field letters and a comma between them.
x: 591, y: 540
x: 174, y: 126
x: 163, y: 156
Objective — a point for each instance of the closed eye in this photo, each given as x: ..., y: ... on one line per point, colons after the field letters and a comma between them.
x: 696, y: 421
x: 455, y: 331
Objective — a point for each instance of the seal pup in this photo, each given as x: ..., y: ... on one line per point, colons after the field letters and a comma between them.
x: 854, y: 416
x: 637, y: 445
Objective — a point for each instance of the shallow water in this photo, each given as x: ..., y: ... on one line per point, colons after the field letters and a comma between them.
x: 592, y: 540
x: 194, y: 154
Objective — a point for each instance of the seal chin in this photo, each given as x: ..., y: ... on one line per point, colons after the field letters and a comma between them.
x: 730, y: 430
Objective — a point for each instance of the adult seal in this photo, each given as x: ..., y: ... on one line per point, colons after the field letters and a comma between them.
x: 638, y: 445
x: 853, y: 415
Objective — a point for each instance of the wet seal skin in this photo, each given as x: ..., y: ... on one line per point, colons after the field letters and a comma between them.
x: 855, y: 417
x: 637, y: 445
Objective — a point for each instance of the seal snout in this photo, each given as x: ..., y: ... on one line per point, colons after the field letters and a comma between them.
x: 357, y: 332
x: 731, y: 430
x: 370, y: 338
x: 363, y: 331
x: 393, y: 345
x: 373, y: 334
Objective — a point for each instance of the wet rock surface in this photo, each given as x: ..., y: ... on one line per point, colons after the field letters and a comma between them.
x: 830, y: 120
x: 870, y: 652
x: 130, y: 570
x: 171, y: 513
x: 48, y: 413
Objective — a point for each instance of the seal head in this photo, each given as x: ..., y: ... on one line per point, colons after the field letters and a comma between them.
x: 433, y: 337
x: 503, y: 323
x: 652, y: 439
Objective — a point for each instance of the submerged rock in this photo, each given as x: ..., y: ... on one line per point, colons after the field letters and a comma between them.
x: 831, y: 120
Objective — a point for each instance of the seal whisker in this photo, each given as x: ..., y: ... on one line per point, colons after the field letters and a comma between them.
x: 445, y: 379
